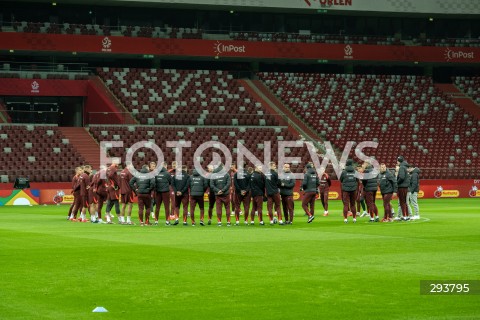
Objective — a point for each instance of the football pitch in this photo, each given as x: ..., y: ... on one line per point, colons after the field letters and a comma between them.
x: 55, y: 269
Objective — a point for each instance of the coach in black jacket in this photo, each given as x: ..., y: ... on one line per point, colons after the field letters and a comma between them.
x: 198, y: 186
x: 309, y: 186
x: 257, y: 187
x: 273, y: 193
x: 388, y: 188
x: 220, y: 185
x: 241, y: 182
x: 143, y: 185
x: 349, y: 186
x: 163, y: 181
x: 370, y: 186
x: 180, y: 183
x: 413, y: 190
x: 287, y: 183
x: 403, y: 182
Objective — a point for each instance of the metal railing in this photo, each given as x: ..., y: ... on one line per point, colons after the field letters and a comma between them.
x: 166, y: 31
x: 98, y: 118
x: 35, y: 117
x: 38, y: 66
x: 192, y: 118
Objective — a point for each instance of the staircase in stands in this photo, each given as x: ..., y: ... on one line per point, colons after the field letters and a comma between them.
x: 460, y: 98
x: 84, y: 143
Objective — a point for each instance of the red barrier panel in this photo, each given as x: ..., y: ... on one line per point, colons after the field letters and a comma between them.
x: 51, y: 193
x: 43, y: 87
x: 430, y: 189
x: 238, y: 49
x: 96, y: 101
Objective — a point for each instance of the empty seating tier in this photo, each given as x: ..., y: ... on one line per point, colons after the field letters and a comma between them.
x: 39, y: 152
x: 405, y: 114
x: 252, y: 138
x: 470, y: 86
x: 184, y: 97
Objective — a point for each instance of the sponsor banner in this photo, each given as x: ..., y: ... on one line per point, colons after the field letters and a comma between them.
x: 428, y: 189
x: 68, y: 199
x: 449, y: 194
x: 398, y: 6
x: 332, y: 195
x: 220, y: 48
x: 421, y: 194
x: 55, y: 196
x: 226, y: 48
x: 19, y: 197
x: 43, y: 87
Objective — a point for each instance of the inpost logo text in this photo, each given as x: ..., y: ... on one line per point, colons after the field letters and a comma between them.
x: 458, y: 54
x: 220, y: 48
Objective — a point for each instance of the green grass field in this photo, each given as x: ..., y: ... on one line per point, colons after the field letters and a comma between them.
x: 55, y: 269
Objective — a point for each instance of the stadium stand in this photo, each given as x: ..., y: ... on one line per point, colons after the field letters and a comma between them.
x: 434, y: 128
x: 470, y: 86
x: 197, y: 135
x: 447, y: 42
x: 4, y: 116
x: 201, y: 97
x: 404, y: 114
x: 39, y: 152
x: 43, y: 74
x: 227, y: 113
x: 313, y: 38
x: 167, y: 31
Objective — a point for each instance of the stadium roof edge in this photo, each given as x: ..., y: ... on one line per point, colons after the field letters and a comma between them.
x: 474, y: 13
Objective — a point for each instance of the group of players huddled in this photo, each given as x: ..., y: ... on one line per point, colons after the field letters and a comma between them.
x: 404, y: 183
x: 230, y: 190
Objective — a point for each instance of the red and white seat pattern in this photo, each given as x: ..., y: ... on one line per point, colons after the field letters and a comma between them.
x: 439, y: 42
x: 184, y: 97
x: 470, y: 86
x: 41, y: 153
x: 406, y: 115
x: 252, y: 138
x: 165, y: 31
x: 313, y: 38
